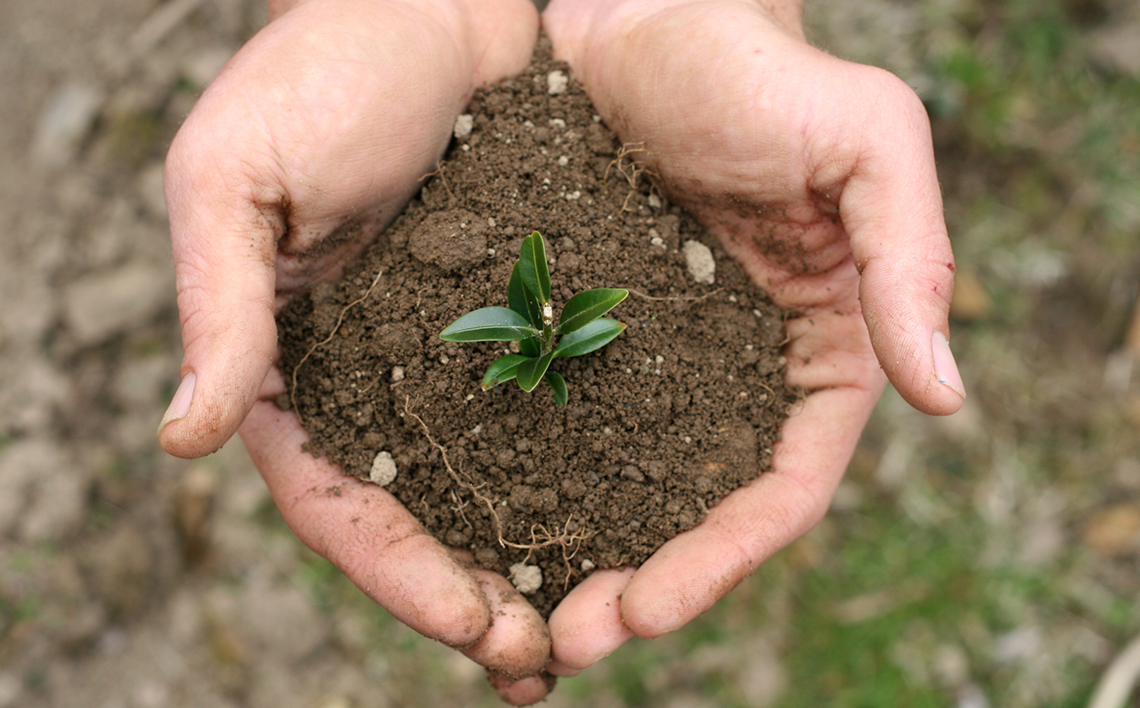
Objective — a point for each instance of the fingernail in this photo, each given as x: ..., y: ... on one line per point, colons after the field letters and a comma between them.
x: 945, y: 368
x: 180, y: 404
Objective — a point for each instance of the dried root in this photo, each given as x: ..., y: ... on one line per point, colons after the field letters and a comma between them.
x: 540, y: 536
x: 323, y: 342
x: 631, y: 167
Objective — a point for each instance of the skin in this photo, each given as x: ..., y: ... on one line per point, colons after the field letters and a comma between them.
x: 817, y: 174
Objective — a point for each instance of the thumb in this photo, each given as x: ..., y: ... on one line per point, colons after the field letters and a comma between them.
x: 223, y: 234
x: 891, y: 207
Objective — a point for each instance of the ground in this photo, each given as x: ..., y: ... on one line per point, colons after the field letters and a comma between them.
x: 985, y: 559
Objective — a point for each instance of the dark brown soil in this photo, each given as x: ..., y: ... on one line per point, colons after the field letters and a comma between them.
x: 681, y: 409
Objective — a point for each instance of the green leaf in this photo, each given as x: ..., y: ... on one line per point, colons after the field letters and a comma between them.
x: 587, y: 306
x: 532, y: 264
x: 530, y: 347
x: 558, y: 384
x: 489, y: 324
x: 531, y: 371
x: 591, y: 337
x: 502, y: 370
x: 521, y: 299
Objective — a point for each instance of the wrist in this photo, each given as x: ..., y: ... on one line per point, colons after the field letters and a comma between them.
x: 497, y: 35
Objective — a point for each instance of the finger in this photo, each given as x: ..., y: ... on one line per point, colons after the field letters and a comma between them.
x: 891, y: 207
x: 223, y: 237
x: 517, y: 645
x: 587, y: 626
x: 367, y: 533
x: 687, y: 575
x: 523, y: 692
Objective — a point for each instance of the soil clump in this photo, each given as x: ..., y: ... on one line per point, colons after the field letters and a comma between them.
x: 681, y: 409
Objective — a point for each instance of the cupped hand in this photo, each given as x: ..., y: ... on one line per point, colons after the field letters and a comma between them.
x: 818, y: 176
x: 306, y: 145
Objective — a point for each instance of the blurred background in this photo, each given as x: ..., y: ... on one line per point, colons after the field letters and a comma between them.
x: 986, y: 559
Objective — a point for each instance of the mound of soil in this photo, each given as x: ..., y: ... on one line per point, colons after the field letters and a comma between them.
x: 678, y: 411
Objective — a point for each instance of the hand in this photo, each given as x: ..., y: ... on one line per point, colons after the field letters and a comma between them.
x: 308, y: 143
x: 818, y: 176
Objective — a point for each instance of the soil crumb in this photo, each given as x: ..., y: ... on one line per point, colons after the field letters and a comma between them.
x: 681, y: 409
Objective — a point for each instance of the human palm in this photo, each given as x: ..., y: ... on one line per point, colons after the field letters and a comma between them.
x: 818, y: 176
x: 307, y: 144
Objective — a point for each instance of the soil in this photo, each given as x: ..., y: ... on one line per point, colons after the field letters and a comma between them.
x: 678, y: 411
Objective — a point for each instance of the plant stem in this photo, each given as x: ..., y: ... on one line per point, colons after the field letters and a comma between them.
x: 547, y: 338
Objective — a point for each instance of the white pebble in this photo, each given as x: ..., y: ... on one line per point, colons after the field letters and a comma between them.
x: 699, y: 260
x: 526, y: 578
x: 563, y: 161
x: 464, y: 124
x: 587, y: 565
x: 383, y: 469
x: 66, y: 119
x: 654, y: 201
x: 556, y: 82
x: 397, y: 374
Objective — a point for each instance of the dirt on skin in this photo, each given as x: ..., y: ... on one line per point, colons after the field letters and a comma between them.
x: 681, y: 409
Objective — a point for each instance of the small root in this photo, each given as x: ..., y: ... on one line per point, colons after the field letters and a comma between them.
x: 674, y: 298
x: 540, y: 536
x: 630, y: 167
x: 438, y: 173
x: 326, y: 340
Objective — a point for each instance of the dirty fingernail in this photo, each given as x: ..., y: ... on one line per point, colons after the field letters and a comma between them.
x: 180, y: 404
x: 945, y: 368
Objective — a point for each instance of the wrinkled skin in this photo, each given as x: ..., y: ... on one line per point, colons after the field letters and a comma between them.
x: 817, y: 174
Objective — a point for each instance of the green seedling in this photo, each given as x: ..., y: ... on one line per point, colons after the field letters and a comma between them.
x: 529, y: 321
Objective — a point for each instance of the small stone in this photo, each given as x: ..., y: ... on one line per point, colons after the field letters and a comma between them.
x: 654, y: 201
x: 398, y: 374
x: 556, y: 82
x: 68, y: 117
x: 11, y: 687
x: 526, y: 578
x: 383, y: 470
x: 99, y: 306
x: 464, y: 124
x: 699, y: 260
x: 43, y: 494
x: 587, y: 565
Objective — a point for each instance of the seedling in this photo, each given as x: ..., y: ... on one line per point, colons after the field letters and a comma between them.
x: 530, y: 321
